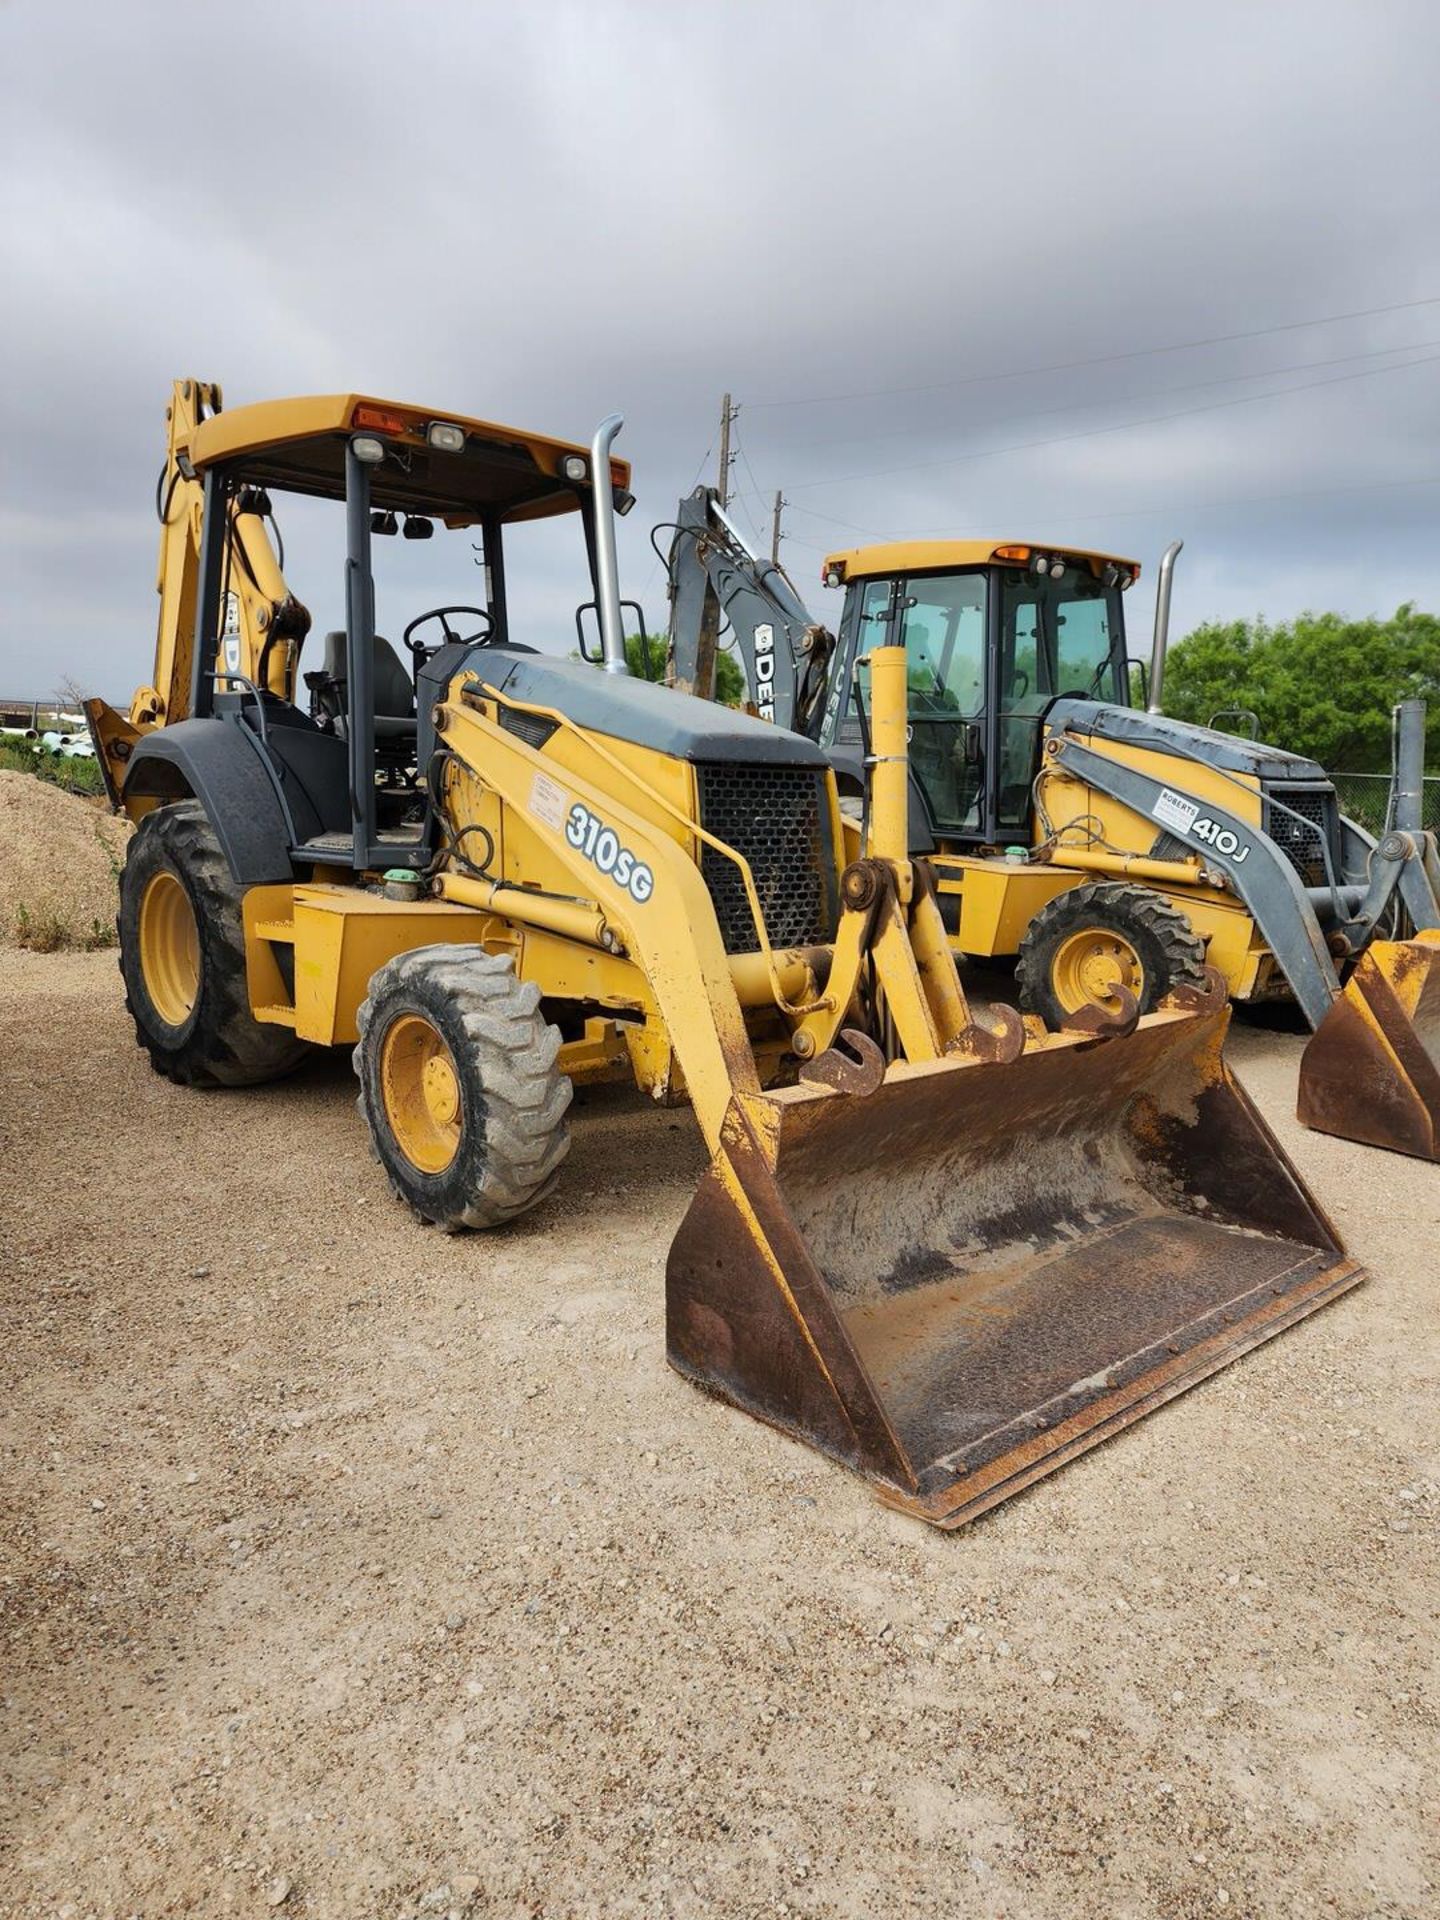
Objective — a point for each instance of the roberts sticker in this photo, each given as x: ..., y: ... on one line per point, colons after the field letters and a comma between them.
x: 1175, y: 811
x: 548, y: 801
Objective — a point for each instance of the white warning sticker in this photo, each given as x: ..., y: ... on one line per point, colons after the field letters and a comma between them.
x: 1175, y: 811
x: 548, y: 800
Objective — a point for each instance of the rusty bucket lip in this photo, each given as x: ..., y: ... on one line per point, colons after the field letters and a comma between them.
x: 959, y: 1501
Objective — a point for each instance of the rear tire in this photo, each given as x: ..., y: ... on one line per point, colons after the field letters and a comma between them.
x: 1096, y: 937
x: 182, y: 958
x: 459, y: 1087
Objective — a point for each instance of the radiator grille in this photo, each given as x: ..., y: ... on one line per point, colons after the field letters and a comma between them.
x: 1303, y: 841
x: 777, y: 818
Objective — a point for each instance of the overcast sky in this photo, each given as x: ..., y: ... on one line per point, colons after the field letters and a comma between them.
x: 981, y: 268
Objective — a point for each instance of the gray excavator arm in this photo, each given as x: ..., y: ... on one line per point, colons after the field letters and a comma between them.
x: 715, y: 579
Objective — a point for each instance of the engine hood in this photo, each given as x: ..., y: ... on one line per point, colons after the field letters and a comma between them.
x: 624, y: 708
x: 1161, y: 734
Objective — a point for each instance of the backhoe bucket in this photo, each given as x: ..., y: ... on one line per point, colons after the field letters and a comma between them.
x: 1371, y: 1070
x: 960, y: 1280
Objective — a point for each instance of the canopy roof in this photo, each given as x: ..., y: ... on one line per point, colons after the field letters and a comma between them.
x: 948, y: 556
x: 299, y: 445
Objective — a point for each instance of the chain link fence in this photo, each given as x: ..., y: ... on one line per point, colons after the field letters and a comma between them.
x: 1364, y: 797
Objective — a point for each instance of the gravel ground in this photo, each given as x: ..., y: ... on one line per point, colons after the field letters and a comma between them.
x: 354, y: 1571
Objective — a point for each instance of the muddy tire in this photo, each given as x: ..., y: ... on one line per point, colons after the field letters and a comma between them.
x: 459, y: 1087
x: 1088, y: 940
x: 182, y: 958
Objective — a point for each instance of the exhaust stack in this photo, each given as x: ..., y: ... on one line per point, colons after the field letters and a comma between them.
x: 1407, y: 803
x: 1162, y: 626
x: 607, y: 568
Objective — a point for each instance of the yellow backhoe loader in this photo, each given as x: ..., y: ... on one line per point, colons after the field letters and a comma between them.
x: 1101, y: 844
x: 947, y: 1248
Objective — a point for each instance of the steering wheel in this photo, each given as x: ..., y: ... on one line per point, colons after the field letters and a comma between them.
x: 442, y: 614
x: 1018, y: 692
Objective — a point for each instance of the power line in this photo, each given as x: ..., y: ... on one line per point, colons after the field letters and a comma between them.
x: 1124, y: 426
x: 1236, y: 500
x: 654, y: 564
x: 1099, y: 360
x: 832, y: 520
x: 758, y: 496
x: 1156, y: 393
x: 1172, y: 510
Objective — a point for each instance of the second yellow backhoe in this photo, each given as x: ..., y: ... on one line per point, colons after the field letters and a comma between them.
x: 949, y: 1249
x: 1103, y: 845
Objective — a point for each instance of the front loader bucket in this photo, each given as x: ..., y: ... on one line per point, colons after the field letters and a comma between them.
x: 958, y: 1282
x: 1371, y: 1069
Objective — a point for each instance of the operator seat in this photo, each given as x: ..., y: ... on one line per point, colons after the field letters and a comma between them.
x: 394, y: 695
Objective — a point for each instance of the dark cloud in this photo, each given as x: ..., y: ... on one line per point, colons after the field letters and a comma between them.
x: 547, y: 212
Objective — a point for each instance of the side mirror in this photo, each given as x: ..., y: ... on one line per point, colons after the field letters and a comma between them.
x: 417, y: 528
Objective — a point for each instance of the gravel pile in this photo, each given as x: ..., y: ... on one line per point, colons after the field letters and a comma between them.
x: 59, y: 858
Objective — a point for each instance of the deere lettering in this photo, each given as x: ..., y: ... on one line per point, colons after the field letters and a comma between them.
x: 765, y: 672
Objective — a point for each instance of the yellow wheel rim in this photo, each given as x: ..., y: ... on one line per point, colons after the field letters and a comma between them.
x: 1089, y: 966
x: 169, y: 948
x: 420, y: 1088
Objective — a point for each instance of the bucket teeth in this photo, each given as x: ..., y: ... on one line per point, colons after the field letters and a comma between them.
x: 1371, y: 1070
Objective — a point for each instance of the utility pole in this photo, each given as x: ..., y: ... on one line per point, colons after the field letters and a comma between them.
x: 709, y: 638
x: 727, y: 414
x: 780, y: 504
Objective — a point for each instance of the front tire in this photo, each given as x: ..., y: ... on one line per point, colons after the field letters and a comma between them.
x: 1085, y: 943
x: 459, y: 1087
x: 182, y: 958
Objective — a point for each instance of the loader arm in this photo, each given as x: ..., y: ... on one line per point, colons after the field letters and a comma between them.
x: 660, y: 916
x: 1260, y: 875
x: 715, y: 578
x: 1371, y: 1070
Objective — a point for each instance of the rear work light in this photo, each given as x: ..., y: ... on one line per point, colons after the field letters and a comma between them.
x: 445, y: 437
x: 573, y: 466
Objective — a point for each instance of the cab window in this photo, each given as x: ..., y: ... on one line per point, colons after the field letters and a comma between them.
x: 1056, y: 637
x: 942, y: 629
x: 939, y: 619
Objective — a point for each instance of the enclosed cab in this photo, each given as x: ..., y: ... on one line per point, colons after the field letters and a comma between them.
x: 1007, y: 644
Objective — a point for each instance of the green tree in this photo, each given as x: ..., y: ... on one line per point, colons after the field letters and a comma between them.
x: 729, y: 680
x: 1319, y: 684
